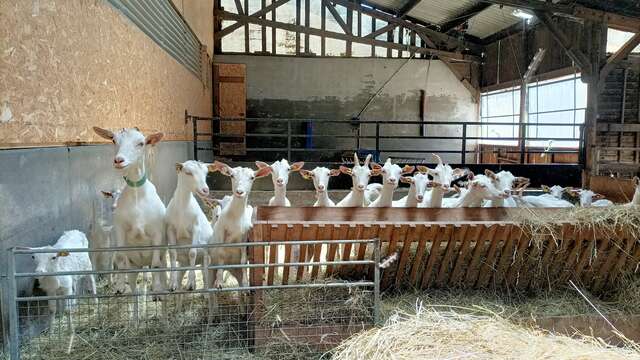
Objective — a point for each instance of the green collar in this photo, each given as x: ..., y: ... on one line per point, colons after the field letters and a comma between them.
x: 135, y: 184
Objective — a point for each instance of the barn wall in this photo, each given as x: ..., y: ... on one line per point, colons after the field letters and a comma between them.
x: 199, y: 16
x: 338, y: 88
x: 66, y: 66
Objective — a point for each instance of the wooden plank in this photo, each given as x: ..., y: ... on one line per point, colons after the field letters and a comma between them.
x: 355, y: 233
x: 397, y: 234
x: 336, y: 16
x: 293, y: 233
x: 488, y: 268
x: 428, y: 234
x: 626, y: 253
x: 474, y: 266
x: 558, y: 258
x: 444, y: 233
x: 384, y: 236
x: 412, y: 234
x: 588, y: 276
x: 324, y: 233
x: 616, y: 57
x: 256, y: 255
x: 458, y: 234
x: 611, y: 257
x: 507, y: 256
x: 231, y: 28
x: 588, y: 238
x: 473, y: 234
x: 339, y: 233
x: 277, y: 233
x: 368, y: 233
x: 309, y: 232
x: 513, y: 274
x: 572, y: 260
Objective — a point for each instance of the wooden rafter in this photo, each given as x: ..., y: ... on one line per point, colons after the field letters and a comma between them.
x: 239, y: 7
x: 243, y: 19
x: 381, y: 31
x: 233, y: 27
x: 336, y: 16
x: 535, y: 5
x: 575, y: 54
x: 616, y: 57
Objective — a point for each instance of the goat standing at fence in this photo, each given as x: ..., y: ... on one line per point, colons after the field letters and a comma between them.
x: 234, y: 222
x: 479, y: 189
x: 139, y: 218
x: 280, y: 171
x: 186, y: 222
x: 59, y: 260
x: 589, y: 198
x: 360, y: 175
x: 417, y: 186
x: 391, y: 174
x: 635, y: 201
x: 504, y: 182
x: 443, y: 175
x: 320, y: 177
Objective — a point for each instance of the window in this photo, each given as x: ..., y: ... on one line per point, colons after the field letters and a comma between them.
x: 556, y: 111
x: 617, y: 38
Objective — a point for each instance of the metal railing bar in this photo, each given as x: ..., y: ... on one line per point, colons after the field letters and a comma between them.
x: 202, y: 291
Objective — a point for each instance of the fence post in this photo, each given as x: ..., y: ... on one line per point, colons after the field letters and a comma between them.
x: 464, y: 144
x: 194, y: 122
x: 376, y: 282
x: 12, y: 306
x: 378, y: 138
x: 289, y: 139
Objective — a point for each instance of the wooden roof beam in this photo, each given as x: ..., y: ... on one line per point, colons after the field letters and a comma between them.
x: 575, y: 54
x: 464, y: 16
x: 616, y: 57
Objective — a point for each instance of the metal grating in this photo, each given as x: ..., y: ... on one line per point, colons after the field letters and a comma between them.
x: 162, y: 23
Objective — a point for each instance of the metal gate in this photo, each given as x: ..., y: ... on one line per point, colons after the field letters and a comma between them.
x: 302, y: 319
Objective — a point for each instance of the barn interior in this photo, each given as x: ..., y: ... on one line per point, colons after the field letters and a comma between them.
x: 548, y: 90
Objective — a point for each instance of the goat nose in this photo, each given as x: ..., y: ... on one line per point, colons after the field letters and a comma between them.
x: 239, y: 193
x: 204, y: 190
x: 321, y: 187
x: 118, y: 160
x: 280, y: 181
x: 420, y: 197
x: 361, y: 187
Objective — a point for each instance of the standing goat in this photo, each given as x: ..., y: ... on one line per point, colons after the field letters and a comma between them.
x: 443, y: 175
x: 504, y: 182
x: 186, y: 222
x: 360, y: 175
x: 59, y: 260
x: 478, y: 190
x: 320, y: 177
x: 280, y: 171
x: 391, y: 174
x: 234, y: 221
x: 636, y: 194
x: 139, y: 218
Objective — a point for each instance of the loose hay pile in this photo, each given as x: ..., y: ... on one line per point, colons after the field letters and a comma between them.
x: 479, y: 334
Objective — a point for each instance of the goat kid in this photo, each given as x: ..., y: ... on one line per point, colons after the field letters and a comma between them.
x: 186, y: 222
x: 360, y: 175
x: 320, y: 177
x: 139, y: 218
x: 280, y: 171
x: 391, y: 174
x: 59, y: 260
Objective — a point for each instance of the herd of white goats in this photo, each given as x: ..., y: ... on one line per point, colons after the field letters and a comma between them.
x: 141, y: 219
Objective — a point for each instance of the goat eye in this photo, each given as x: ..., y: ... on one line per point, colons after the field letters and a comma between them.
x: 33, y: 257
x: 140, y: 144
x: 188, y: 173
x: 253, y: 177
x: 53, y: 258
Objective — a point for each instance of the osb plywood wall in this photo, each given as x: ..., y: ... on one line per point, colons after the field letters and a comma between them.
x: 67, y: 65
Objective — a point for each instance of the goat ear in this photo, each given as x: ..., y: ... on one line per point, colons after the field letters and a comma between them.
x: 522, y: 180
x: 106, y: 194
x: 457, y: 189
x: 423, y: 169
x: 408, y: 169
x: 62, y: 253
x: 103, y: 133
x: 636, y: 181
x: 345, y: 170
x: 296, y: 166
x: 222, y: 167
x: 367, y: 160
x: 406, y: 179
x: 334, y: 172
x: 261, y: 164
x: 153, y: 138
x: 356, y: 161
x: 471, y: 175
x: 212, y: 167
x: 490, y: 174
x: 306, y: 174
x: 458, y: 172
x: 262, y: 172
x: 545, y: 188
x: 598, y: 197
x: 438, y: 158
x: 179, y: 167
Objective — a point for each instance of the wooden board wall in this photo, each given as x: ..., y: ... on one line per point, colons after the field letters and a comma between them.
x: 69, y: 65
x: 230, y: 89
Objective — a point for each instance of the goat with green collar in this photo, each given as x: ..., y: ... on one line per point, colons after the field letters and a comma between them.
x: 139, y: 218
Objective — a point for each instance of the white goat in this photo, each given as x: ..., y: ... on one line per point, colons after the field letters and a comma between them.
x: 391, y: 174
x: 139, y: 218
x: 504, y: 182
x: 636, y: 194
x: 59, y: 260
x: 556, y: 190
x: 186, y: 222
x: 442, y: 176
x: 100, y: 233
x: 417, y: 186
x: 280, y: 171
x: 360, y: 175
x: 587, y: 198
x: 478, y: 190
x: 320, y: 177
x: 234, y: 222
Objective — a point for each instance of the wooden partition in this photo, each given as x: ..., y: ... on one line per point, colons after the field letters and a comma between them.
x: 466, y: 248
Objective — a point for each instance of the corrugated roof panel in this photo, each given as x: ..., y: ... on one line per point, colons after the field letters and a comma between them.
x: 492, y: 20
x: 389, y: 4
x: 440, y: 11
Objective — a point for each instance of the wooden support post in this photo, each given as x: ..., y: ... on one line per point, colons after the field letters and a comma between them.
x: 615, y: 58
x: 307, y: 21
x: 373, y: 30
x: 263, y: 29
x: 323, y: 27
x: 390, y: 40
x: 350, y: 26
x: 524, y: 101
x: 400, y: 39
x: 298, y: 6
x: 274, y: 37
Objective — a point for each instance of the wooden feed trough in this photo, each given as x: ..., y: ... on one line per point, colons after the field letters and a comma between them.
x: 463, y: 248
